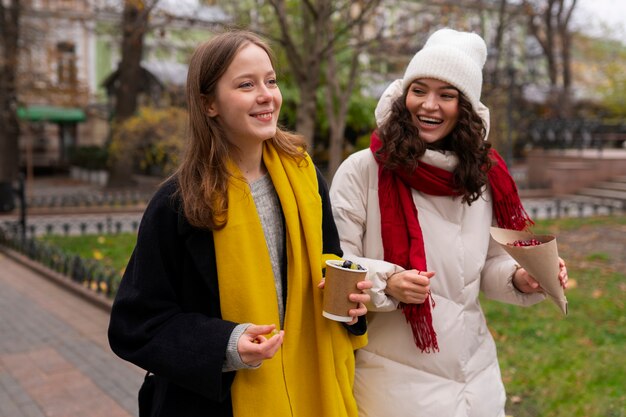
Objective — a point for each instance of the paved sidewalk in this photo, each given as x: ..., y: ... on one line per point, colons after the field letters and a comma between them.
x: 54, y: 356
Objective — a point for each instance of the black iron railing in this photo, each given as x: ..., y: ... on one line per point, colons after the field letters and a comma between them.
x: 107, y: 199
x: 90, y: 273
x: 576, y: 134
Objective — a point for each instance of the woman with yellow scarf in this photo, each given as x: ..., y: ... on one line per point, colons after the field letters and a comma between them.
x: 221, y: 301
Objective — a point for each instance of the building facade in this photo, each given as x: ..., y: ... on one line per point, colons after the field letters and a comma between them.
x: 68, y: 50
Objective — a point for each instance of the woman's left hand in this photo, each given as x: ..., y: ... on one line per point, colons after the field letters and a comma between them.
x: 359, y: 298
x: 526, y: 283
x: 563, y: 277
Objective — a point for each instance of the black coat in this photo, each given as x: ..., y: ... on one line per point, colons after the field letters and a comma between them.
x: 166, y: 315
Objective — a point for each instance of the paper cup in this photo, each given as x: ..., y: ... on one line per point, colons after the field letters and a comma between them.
x: 541, y: 261
x: 340, y: 283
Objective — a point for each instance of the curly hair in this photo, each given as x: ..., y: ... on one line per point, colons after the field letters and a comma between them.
x: 402, y: 146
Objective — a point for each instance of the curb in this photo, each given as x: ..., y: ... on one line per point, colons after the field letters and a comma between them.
x: 59, y: 279
x: 130, y: 209
x: 75, y: 210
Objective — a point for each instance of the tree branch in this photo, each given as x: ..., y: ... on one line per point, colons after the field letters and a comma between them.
x: 286, y: 40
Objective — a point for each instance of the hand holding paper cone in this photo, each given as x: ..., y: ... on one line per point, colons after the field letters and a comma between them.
x: 540, y: 260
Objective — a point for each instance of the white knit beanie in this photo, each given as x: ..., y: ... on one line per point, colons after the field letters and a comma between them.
x: 454, y: 57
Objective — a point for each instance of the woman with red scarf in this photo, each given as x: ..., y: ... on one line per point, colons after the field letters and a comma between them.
x: 416, y: 210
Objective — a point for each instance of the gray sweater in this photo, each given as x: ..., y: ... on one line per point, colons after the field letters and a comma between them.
x: 271, y: 215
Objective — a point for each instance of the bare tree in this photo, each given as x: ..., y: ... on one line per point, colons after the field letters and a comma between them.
x: 337, y: 101
x: 134, y: 27
x: 9, y: 126
x: 323, y: 40
x: 140, y: 17
x: 135, y: 19
x: 308, y: 31
x: 498, y: 41
x: 549, y: 22
x: 305, y: 49
x: 339, y: 89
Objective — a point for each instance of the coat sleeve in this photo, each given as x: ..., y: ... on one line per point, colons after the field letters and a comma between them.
x: 332, y: 244
x: 497, y: 279
x: 350, y: 198
x: 330, y: 235
x: 155, y: 323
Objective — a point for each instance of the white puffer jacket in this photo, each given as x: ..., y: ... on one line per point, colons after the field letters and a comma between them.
x: 393, y: 378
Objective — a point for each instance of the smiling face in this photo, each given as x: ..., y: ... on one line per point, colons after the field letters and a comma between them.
x: 247, y: 99
x: 434, y: 108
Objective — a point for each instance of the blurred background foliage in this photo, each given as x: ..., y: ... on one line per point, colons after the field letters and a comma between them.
x: 153, y: 137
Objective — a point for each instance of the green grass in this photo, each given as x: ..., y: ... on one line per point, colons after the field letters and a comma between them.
x: 112, y: 250
x: 575, y: 223
x: 552, y: 365
x: 574, y: 365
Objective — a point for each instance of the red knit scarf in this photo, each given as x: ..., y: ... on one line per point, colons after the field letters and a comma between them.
x: 403, y: 242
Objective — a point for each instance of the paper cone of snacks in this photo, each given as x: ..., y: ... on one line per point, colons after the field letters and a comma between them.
x: 538, y: 255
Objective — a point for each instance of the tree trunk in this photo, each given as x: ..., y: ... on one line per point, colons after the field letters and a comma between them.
x: 566, y: 47
x: 306, y: 115
x: 336, y: 110
x: 134, y: 26
x: 566, y: 101
x: 340, y: 89
x: 555, y: 41
x: 305, y: 57
x: 134, y: 23
x: 495, y: 75
x: 337, y: 102
x: 336, y: 148
x: 551, y: 44
x: 9, y: 124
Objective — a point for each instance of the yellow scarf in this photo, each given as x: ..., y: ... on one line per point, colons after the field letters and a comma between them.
x: 313, y: 372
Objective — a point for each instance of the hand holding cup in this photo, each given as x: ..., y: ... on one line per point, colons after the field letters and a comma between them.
x: 340, y: 289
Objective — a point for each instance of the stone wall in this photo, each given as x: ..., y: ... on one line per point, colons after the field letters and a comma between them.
x: 567, y: 171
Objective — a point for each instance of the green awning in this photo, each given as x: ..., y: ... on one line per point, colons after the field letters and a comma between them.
x: 40, y: 113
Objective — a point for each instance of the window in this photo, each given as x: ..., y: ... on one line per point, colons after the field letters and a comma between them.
x: 66, y: 65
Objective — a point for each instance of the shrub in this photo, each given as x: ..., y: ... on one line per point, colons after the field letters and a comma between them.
x: 154, y: 137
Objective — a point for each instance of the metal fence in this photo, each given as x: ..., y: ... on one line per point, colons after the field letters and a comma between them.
x: 576, y: 134
x: 103, y: 279
x: 77, y: 224
x: 559, y: 208
x: 90, y: 273
x: 102, y: 199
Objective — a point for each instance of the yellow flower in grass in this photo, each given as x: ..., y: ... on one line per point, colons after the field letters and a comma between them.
x: 97, y: 255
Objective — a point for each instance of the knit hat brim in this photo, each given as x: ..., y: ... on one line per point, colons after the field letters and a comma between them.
x: 447, y: 65
x: 451, y: 56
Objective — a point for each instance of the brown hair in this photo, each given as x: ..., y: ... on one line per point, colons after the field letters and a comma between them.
x: 403, y: 146
x: 203, y: 174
